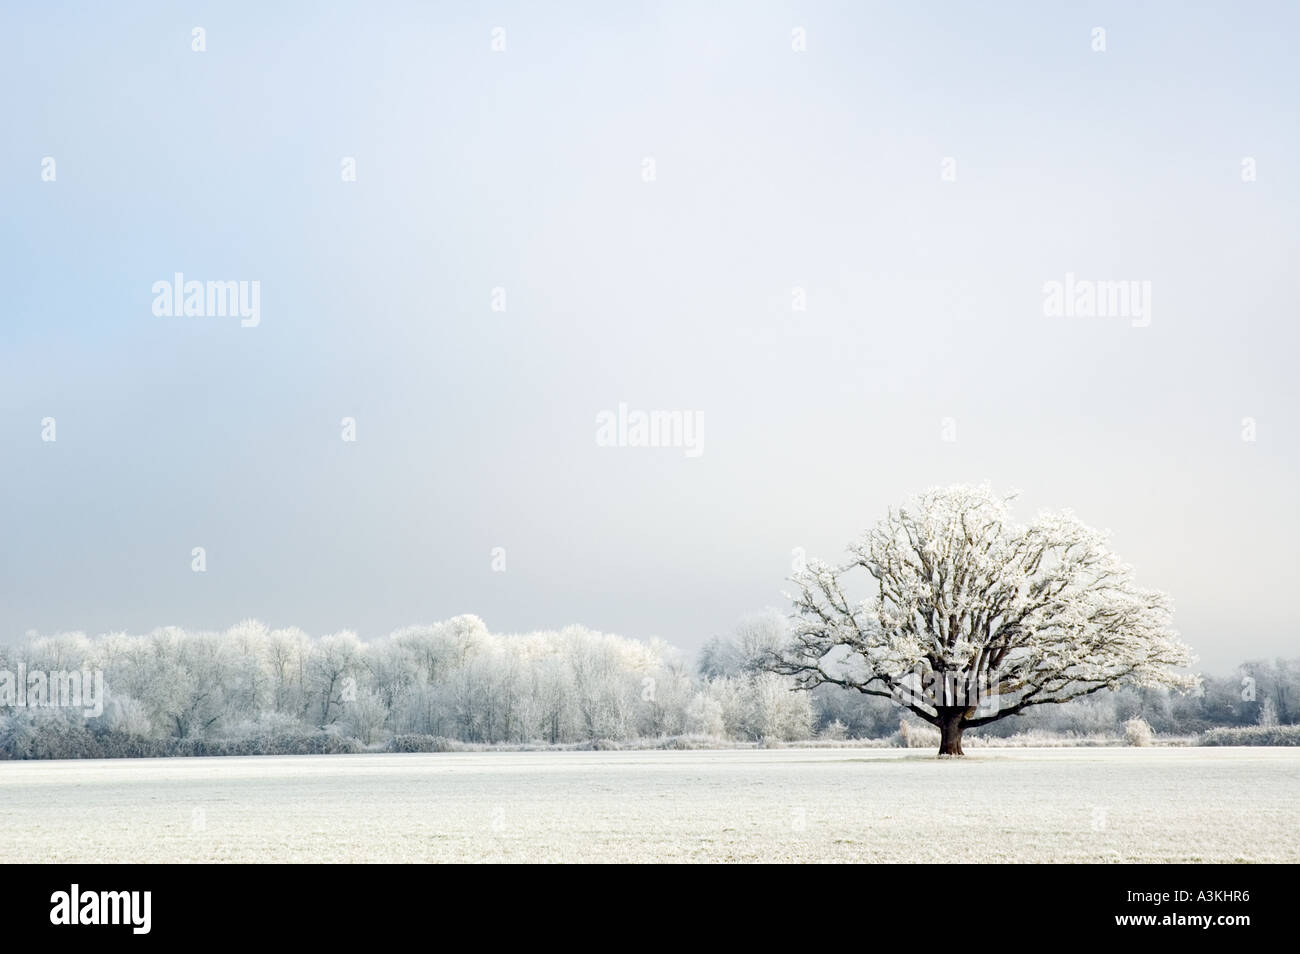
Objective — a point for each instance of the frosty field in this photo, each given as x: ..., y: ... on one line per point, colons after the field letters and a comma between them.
x: 859, y: 805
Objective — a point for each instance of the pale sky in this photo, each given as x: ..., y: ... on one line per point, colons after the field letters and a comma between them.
x: 524, y: 169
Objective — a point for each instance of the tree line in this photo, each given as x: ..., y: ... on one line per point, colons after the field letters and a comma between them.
x: 453, y: 680
x: 456, y: 680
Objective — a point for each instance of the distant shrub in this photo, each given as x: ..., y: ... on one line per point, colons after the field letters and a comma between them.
x: 693, y: 741
x: 1253, y: 735
x: 1039, y: 739
x: 916, y: 736
x: 266, y: 725
x: 1138, y: 732
x: 53, y: 736
x: 128, y: 716
x: 834, y: 731
x: 892, y: 741
x: 48, y: 736
x: 419, y: 743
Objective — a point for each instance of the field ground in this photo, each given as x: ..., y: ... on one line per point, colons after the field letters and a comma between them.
x: 1094, y: 805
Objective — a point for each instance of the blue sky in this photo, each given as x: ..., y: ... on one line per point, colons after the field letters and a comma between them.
x: 522, y: 170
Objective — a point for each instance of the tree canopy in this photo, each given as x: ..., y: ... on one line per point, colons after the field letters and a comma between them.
x: 971, y: 617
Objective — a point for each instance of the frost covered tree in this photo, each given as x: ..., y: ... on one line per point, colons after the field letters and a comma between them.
x: 333, y: 661
x: 743, y: 652
x: 969, y: 617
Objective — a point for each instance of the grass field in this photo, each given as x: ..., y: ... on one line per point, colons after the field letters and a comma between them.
x: 1094, y: 805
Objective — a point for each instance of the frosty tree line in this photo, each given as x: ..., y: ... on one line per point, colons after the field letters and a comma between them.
x: 1043, y: 615
x: 453, y: 680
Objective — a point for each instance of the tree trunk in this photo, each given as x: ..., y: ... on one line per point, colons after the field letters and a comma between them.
x: 950, y: 729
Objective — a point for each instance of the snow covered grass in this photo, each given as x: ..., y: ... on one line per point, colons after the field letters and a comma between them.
x: 841, y: 804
